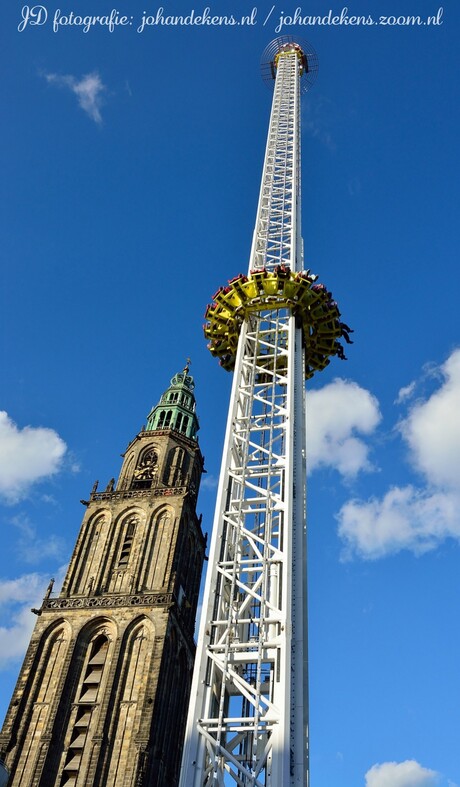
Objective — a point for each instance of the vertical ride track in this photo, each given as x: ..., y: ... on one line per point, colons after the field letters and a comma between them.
x: 248, y: 715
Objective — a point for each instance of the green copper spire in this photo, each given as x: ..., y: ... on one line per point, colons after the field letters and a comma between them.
x: 176, y: 408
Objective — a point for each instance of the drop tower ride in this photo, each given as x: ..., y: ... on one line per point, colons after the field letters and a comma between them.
x: 275, y: 326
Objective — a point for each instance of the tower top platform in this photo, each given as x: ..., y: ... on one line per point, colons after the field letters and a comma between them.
x: 286, y: 45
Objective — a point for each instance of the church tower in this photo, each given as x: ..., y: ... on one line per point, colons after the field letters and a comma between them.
x: 102, y: 696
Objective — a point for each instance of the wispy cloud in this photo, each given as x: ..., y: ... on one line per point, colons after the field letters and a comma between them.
x: 401, y: 774
x: 27, y: 455
x: 33, y: 549
x: 405, y: 393
x: 354, y: 186
x: 209, y: 482
x: 315, y: 121
x: 89, y: 91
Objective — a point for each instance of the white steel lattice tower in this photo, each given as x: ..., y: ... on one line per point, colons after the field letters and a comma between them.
x: 248, y: 716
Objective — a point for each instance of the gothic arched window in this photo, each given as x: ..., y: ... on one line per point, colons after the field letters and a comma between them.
x: 176, y: 467
x: 134, y: 662
x: 156, y: 567
x: 84, y: 715
x: 127, y: 543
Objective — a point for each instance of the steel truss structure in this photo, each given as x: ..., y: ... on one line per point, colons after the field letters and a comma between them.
x: 248, y: 716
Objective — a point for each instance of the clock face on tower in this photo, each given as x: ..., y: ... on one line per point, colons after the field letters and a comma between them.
x: 147, y: 467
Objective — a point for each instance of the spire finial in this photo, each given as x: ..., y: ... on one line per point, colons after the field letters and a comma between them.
x: 187, y: 366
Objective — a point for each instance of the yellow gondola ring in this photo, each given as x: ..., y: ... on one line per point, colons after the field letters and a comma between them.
x: 317, y: 314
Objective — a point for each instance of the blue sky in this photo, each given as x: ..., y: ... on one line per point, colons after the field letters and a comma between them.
x: 131, y: 166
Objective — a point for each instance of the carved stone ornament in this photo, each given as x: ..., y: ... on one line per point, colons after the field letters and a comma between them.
x: 112, y: 600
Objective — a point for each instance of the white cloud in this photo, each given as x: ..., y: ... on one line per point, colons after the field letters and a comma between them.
x: 89, y: 91
x: 401, y: 774
x: 432, y: 429
x: 405, y: 518
x: 335, y: 415
x: 417, y: 519
x: 14, y: 639
x: 26, y: 456
x: 18, y: 596
x: 22, y: 589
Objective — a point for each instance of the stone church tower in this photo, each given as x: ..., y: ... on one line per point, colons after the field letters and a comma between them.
x: 102, y: 696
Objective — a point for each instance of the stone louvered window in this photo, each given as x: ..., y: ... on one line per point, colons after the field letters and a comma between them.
x: 86, y: 700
